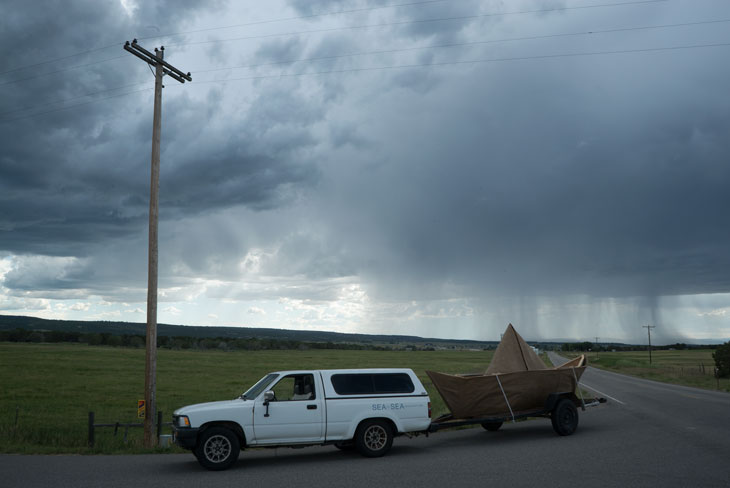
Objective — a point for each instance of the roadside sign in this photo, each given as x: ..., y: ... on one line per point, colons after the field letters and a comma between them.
x: 140, y: 409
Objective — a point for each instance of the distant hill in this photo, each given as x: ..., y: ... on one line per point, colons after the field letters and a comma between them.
x: 11, y: 322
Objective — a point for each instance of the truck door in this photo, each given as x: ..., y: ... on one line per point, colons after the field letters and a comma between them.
x: 296, y: 414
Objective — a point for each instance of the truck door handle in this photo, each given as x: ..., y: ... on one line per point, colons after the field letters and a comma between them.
x: 311, y: 407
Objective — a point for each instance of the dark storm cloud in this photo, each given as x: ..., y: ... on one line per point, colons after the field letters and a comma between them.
x: 500, y: 185
x: 456, y: 18
x: 599, y: 176
x: 317, y: 7
x: 423, y: 18
x: 78, y: 177
x: 280, y: 49
x: 241, y: 164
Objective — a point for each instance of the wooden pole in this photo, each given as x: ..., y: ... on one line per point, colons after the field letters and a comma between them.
x: 648, y: 330
x: 162, y: 68
x: 151, y: 357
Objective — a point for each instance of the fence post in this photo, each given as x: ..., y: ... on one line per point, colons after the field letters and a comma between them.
x: 159, y: 425
x: 91, y: 429
x: 15, y: 425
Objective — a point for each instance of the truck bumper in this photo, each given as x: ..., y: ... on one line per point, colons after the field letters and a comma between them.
x: 186, y: 438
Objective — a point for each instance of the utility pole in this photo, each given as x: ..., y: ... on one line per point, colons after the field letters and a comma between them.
x: 648, y: 330
x: 162, y: 68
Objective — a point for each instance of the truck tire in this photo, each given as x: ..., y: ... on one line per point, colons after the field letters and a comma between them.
x: 374, y: 438
x: 492, y: 426
x: 217, y: 448
x: 564, y: 417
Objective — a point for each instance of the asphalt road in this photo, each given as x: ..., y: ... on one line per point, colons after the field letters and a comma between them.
x: 648, y: 434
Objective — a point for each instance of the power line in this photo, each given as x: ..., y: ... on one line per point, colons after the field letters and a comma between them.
x: 470, y: 43
x: 365, y: 53
x: 405, y: 66
x: 474, y: 61
x: 301, y: 17
x: 72, y: 106
x: 89, y: 51
x: 91, y: 94
x: 333, y: 29
x: 388, y: 51
x: 61, y: 70
x: 60, y: 59
x: 420, y: 21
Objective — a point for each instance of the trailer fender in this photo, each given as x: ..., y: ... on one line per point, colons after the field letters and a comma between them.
x: 554, y: 398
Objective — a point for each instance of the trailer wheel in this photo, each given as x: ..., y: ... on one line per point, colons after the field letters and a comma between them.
x: 492, y: 426
x: 217, y: 448
x: 373, y: 438
x: 564, y: 417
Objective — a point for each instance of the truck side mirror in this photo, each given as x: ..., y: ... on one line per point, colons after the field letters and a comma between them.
x: 268, y: 397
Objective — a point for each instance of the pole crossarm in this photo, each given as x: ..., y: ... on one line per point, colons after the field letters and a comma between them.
x: 153, y: 60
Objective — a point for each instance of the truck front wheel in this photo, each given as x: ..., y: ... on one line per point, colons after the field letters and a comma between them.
x: 217, y: 448
x: 374, y: 438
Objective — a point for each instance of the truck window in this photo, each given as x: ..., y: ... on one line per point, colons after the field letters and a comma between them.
x: 393, y: 383
x: 254, y: 391
x: 372, y: 383
x: 294, y: 387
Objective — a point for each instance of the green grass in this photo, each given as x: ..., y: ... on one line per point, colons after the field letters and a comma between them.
x: 688, y: 367
x: 47, y: 390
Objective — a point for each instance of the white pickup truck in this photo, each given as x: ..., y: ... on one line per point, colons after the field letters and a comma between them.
x: 360, y: 408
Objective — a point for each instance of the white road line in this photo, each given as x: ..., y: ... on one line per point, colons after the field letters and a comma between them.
x: 601, y: 393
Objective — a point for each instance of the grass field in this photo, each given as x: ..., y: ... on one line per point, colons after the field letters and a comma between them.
x: 47, y: 390
x: 689, y: 367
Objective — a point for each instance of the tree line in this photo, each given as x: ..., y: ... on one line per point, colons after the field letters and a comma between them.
x: 721, y: 354
x: 177, y: 342
x: 591, y: 346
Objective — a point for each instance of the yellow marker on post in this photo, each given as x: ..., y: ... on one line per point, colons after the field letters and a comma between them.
x: 140, y: 409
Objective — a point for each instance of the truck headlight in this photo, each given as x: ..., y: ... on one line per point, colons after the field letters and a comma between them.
x: 183, y: 421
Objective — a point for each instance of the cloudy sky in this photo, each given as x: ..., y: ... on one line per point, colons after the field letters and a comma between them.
x: 438, y: 168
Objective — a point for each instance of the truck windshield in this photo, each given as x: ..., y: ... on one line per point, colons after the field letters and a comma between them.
x: 256, y: 389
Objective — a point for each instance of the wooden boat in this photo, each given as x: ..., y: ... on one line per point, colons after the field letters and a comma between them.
x: 516, y: 381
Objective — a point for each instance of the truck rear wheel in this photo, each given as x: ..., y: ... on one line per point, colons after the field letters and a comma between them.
x: 217, y: 448
x: 564, y: 417
x: 374, y: 438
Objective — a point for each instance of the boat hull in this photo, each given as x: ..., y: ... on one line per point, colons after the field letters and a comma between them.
x: 497, y: 395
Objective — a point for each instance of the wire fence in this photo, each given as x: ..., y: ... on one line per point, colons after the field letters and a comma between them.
x: 125, y: 425
x: 697, y: 370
